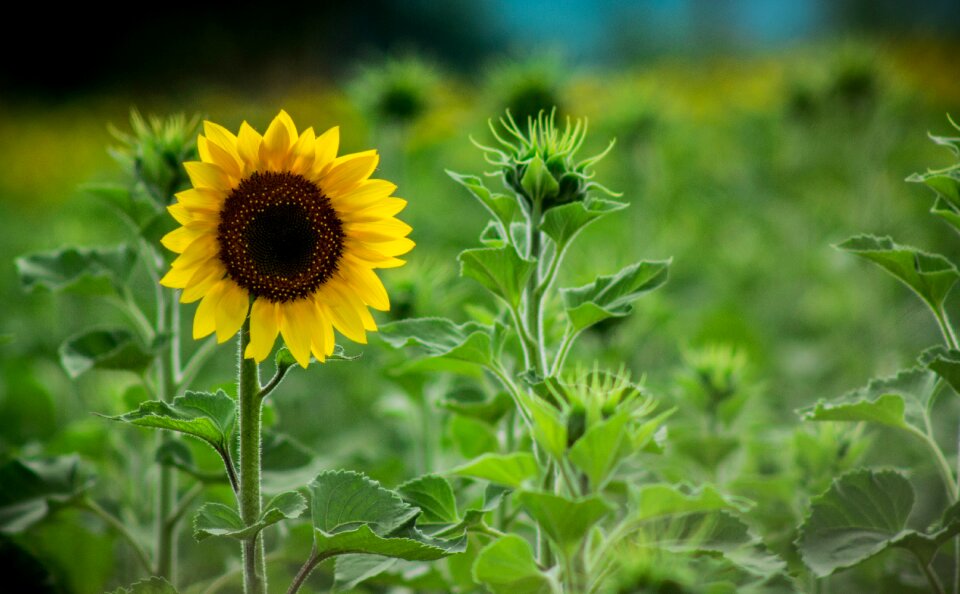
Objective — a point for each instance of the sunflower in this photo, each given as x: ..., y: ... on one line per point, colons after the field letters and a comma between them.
x: 279, y: 227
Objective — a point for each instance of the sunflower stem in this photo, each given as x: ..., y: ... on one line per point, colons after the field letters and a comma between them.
x: 166, y: 532
x: 254, y: 570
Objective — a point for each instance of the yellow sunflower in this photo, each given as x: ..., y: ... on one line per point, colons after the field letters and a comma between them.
x: 280, y: 227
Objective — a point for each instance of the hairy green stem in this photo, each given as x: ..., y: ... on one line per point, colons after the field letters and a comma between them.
x: 254, y: 571
x: 305, y: 570
x: 166, y: 533
x: 532, y: 297
x: 94, y: 508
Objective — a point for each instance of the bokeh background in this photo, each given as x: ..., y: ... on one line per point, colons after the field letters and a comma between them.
x: 751, y: 136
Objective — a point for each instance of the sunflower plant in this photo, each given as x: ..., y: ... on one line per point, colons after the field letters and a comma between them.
x: 554, y: 466
x: 840, y: 531
x: 276, y: 235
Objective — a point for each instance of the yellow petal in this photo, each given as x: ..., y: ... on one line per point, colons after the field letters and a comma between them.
x: 318, y: 340
x: 205, y: 322
x: 202, y: 280
x: 348, y: 171
x: 367, y: 285
x: 277, y: 141
x: 298, y: 322
x: 224, y: 138
x: 180, y: 212
x: 325, y: 150
x: 211, y: 152
x: 396, y: 247
x: 231, y: 311
x: 201, y: 199
x: 207, y: 175
x: 303, y: 153
x: 248, y: 147
x: 384, y: 208
x: 177, y: 278
x: 347, y: 321
x: 203, y: 248
x: 264, y: 326
x: 356, y: 303
x: 180, y: 238
x: 383, y: 230
x: 367, y: 194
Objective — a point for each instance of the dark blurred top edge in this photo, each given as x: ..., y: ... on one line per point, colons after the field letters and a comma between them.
x: 249, y: 46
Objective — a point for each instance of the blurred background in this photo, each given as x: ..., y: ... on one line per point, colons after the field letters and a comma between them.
x: 751, y: 136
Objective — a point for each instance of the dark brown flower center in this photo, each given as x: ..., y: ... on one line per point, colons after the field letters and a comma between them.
x: 279, y: 236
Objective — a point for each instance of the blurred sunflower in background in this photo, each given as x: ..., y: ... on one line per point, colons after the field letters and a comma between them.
x: 278, y: 226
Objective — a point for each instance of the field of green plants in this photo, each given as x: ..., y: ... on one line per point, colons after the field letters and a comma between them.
x: 654, y: 336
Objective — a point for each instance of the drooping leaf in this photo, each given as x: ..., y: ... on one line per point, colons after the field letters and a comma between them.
x: 896, y: 401
x: 153, y: 585
x: 566, y: 521
x: 206, y: 416
x: 32, y: 489
x: 507, y: 566
x: 503, y: 208
x: 103, y: 349
x: 946, y: 212
x: 434, y: 496
x: 930, y: 276
x: 98, y: 271
x: 946, y: 184
x: 659, y: 500
x: 945, y: 363
x: 611, y: 296
x: 439, y: 337
x: 501, y: 270
x: 216, y: 519
x: 510, y: 470
x: 352, y: 570
x: 563, y: 223
x: 352, y: 514
x: 862, y: 514
x: 488, y: 410
x: 598, y: 452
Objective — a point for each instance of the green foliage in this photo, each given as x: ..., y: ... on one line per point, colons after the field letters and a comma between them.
x: 216, y: 519
x: 611, y: 296
x: 103, y: 349
x: 566, y: 521
x: 90, y: 271
x: 500, y: 270
x: 154, y: 585
x: 510, y: 470
x: 507, y: 566
x: 33, y: 489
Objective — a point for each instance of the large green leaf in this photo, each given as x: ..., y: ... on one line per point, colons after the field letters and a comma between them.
x: 501, y: 270
x: 611, y: 296
x: 439, y: 337
x: 566, y: 521
x: 659, y: 500
x: 507, y: 566
x: 216, y: 519
x: 930, y: 276
x: 32, y: 489
x: 548, y: 428
x: 209, y: 417
x: 503, y: 208
x: 862, y: 514
x: 103, y: 349
x: 353, y: 514
x: 471, y: 437
x: 598, y: 452
x: 510, y: 470
x: 434, y: 496
x: 89, y: 271
x: 563, y: 223
x: 896, y: 401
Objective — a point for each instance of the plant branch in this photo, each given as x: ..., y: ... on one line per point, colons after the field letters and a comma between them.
x: 254, y: 574
x: 111, y: 520
x: 183, y: 506
x: 305, y: 570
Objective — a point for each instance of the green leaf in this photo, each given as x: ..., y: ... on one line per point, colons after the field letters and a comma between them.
x: 216, y: 519
x: 611, y: 296
x: 945, y: 184
x: 352, y: 514
x: 503, y: 208
x: 97, y: 271
x: 32, y: 489
x: 563, y: 223
x: 153, y: 585
x: 566, y: 521
x: 209, y: 417
x: 538, y: 182
x: 352, y: 570
x: 549, y: 429
x: 472, y: 437
x: 896, y: 401
x: 602, y: 448
x: 930, y: 276
x: 946, y: 212
x: 439, y: 337
x: 473, y: 404
x: 507, y: 566
x: 863, y: 513
x: 103, y: 349
x: 501, y: 270
x: 510, y: 470
x: 434, y: 496
x: 945, y: 363
x: 659, y: 500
